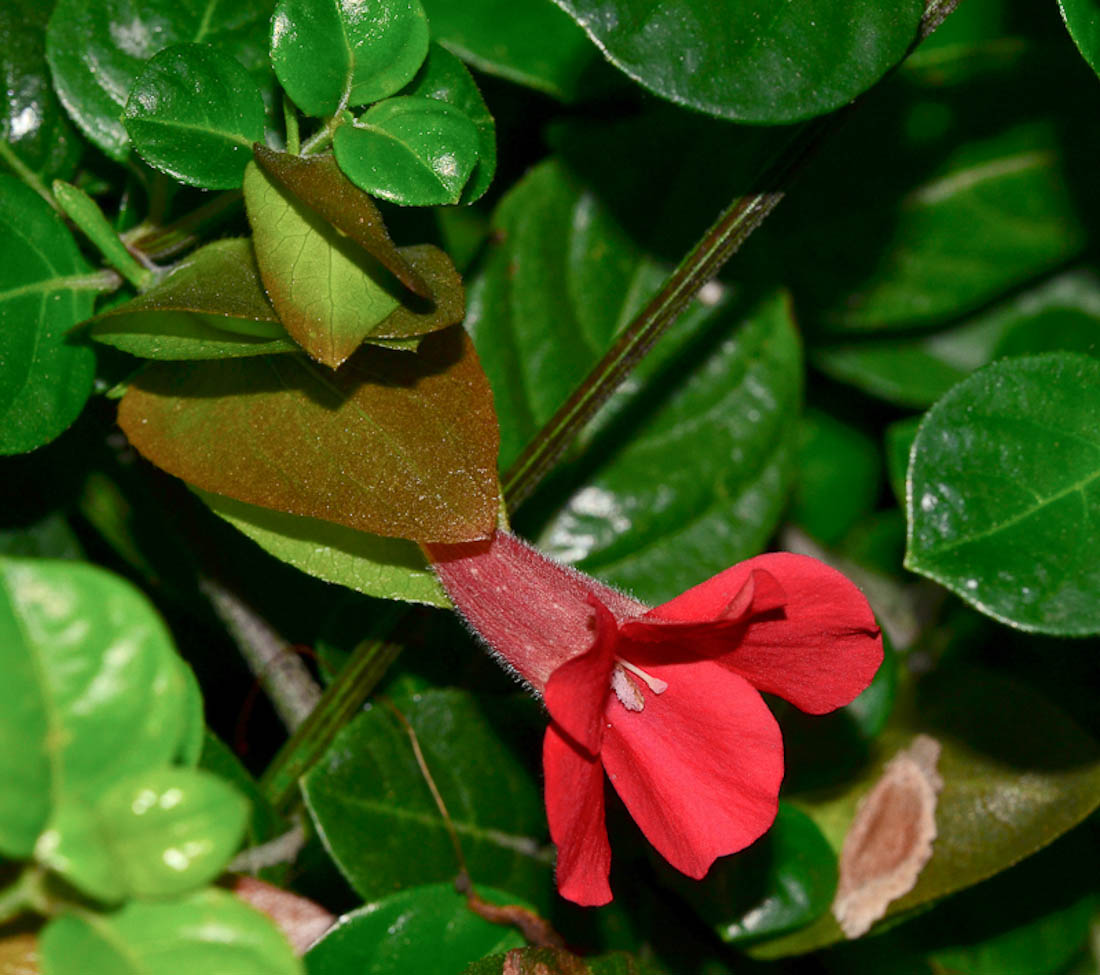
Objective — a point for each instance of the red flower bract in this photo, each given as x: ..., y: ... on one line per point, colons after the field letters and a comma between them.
x: 665, y: 700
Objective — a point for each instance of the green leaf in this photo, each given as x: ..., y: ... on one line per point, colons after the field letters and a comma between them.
x: 686, y: 470
x: 389, y: 568
x: 1017, y: 774
x: 752, y: 61
x: 369, y: 801
x: 987, y: 190
x: 93, y: 690
x: 784, y: 881
x: 422, y: 929
x: 529, y: 42
x: 410, y: 150
x: 1082, y: 19
x: 331, y: 54
x: 193, y: 113
x: 211, y: 306
x: 49, y: 538
x: 838, y: 477
x: 209, y: 931
x: 445, y: 78
x: 97, y: 49
x: 330, y: 293
x: 45, y: 289
x: 33, y: 126
x: 1003, y: 497
x: 1060, y: 314
x: 394, y: 444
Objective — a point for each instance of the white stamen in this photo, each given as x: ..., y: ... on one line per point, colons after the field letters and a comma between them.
x: 626, y: 690
x: 655, y: 684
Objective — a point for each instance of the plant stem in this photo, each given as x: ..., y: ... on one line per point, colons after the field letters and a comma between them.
x: 724, y: 238
x: 280, y: 672
x: 23, y: 896
x: 339, y: 704
x: 290, y: 118
x: 26, y: 174
x: 167, y: 241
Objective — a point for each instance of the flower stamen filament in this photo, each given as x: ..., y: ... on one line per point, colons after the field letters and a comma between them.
x: 655, y: 684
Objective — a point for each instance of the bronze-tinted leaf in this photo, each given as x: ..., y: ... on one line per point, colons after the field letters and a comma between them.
x: 414, y: 316
x: 218, y: 279
x: 319, y: 183
x: 395, y: 444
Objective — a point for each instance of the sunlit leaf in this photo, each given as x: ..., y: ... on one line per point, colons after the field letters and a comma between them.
x: 329, y: 54
x: 394, y: 444
x: 93, y: 690
x: 211, y: 931
x: 1003, y: 495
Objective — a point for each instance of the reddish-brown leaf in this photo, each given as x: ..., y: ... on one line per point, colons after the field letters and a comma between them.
x: 395, y: 444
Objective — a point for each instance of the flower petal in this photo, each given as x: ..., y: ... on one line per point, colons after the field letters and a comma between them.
x: 575, y: 810
x: 577, y: 691
x: 699, y: 768
x: 819, y: 653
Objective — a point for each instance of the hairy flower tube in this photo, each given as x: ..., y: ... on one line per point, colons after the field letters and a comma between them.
x: 664, y: 701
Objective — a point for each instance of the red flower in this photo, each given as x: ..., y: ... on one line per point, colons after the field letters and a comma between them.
x: 665, y: 700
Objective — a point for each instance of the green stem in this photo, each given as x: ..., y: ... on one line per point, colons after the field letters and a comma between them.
x: 83, y: 211
x: 23, y: 896
x: 368, y: 663
x: 340, y: 703
x: 718, y: 244
x: 290, y: 119
x: 168, y: 241
x: 26, y: 174
x: 724, y: 238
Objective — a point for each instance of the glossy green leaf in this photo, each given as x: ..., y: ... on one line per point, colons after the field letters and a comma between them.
x: 838, y: 476
x: 529, y: 42
x: 33, y: 126
x: 45, y: 289
x: 784, y: 881
x: 330, y: 293
x: 1017, y: 774
x: 421, y: 929
x: 1082, y: 19
x: 389, y: 568
x: 986, y: 191
x: 394, y: 444
x: 211, y: 931
x: 1061, y: 313
x: 445, y: 78
x: 160, y: 833
x: 193, y: 113
x: 411, y: 150
x: 329, y: 54
x: 689, y: 468
x: 752, y: 62
x: 97, y: 49
x: 93, y: 690
x: 369, y: 801
x: 1003, y: 497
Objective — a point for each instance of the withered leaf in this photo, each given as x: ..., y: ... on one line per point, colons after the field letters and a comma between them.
x: 395, y: 444
x: 890, y: 838
x: 302, y: 921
